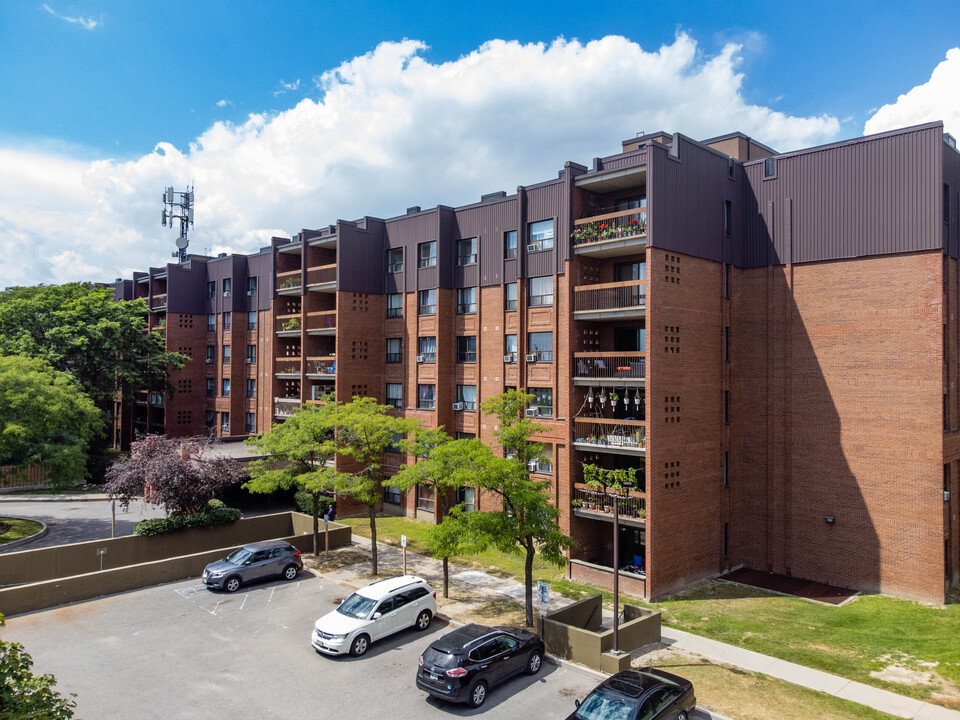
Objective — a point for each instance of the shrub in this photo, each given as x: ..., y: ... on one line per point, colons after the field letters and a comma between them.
x: 214, y: 515
x: 304, y: 501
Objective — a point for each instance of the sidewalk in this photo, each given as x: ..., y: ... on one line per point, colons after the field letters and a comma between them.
x: 64, y: 497
x: 882, y: 700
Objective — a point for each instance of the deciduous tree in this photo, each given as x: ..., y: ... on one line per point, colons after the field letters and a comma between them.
x: 24, y: 695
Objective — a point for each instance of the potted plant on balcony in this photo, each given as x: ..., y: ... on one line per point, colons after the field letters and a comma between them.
x: 614, y: 399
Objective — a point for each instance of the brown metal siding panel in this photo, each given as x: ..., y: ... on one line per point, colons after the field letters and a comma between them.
x: 869, y: 197
x: 951, y: 176
x: 361, y: 257
x: 447, y: 247
x: 407, y: 232
x: 626, y: 160
x: 545, y: 202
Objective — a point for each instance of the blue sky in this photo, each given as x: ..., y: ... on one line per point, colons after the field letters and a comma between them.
x: 89, y: 89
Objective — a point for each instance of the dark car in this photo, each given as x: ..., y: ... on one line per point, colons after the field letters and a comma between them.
x: 464, y: 664
x: 645, y: 694
x: 256, y: 561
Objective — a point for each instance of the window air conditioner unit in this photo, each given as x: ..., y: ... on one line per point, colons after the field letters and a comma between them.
x: 250, y: 361
x: 458, y: 406
x: 533, y: 247
x: 532, y: 357
x: 209, y: 361
x: 421, y: 358
x: 533, y: 412
x: 251, y: 292
x: 508, y: 358
x: 532, y: 465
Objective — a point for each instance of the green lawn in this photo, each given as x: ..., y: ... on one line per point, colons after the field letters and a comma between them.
x: 19, y: 529
x: 864, y: 636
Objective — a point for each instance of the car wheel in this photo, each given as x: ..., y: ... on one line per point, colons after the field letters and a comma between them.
x: 682, y: 715
x: 290, y: 572
x: 423, y: 620
x: 232, y: 584
x: 534, y: 662
x: 478, y: 693
x: 360, y: 645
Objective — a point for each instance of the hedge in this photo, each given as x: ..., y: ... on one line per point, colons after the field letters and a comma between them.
x: 215, y: 514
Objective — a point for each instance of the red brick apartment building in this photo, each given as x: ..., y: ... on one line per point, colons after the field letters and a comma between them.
x: 772, y: 340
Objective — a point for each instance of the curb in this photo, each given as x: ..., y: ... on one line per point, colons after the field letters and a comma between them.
x: 24, y: 541
x: 9, y: 498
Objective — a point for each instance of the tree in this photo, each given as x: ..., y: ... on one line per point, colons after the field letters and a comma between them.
x: 24, y: 695
x: 527, y: 522
x: 298, y: 452
x: 45, y: 420
x: 365, y: 429
x: 179, y: 475
x: 81, y: 329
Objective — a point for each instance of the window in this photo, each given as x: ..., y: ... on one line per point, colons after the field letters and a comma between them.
x: 211, y: 354
x: 769, y: 170
x: 467, y: 251
x: 544, y: 464
x: 211, y: 387
x: 211, y: 322
x: 252, y: 320
x: 541, y: 236
x: 466, y: 300
x: 465, y: 436
x: 251, y: 354
x: 425, y: 397
x: 225, y: 387
x: 227, y: 321
x: 427, y: 303
x: 510, y: 296
x: 540, y: 344
x: 210, y: 418
x: 251, y: 423
x: 425, y: 498
x: 467, y: 496
x: 394, y: 305
x: 251, y: 286
x: 227, y: 287
x: 395, y: 395
x: 510, y: 244
x: 224, y: 422
x: 510, y: 347
x: 391, y: 495
x: 543, y: 399
x: 467, y: 349
x: 395, y: 260
x: 625, y: 272
x: 541, y: 291
x: 427, y: 254
x: 396, y: 444
x: 211, y: 289
x: 251, y: 388
x: 727, y: 217
x: 226, y: 354
x: 726, y: 344
x: 631, y: 203
x: 467, y: 394
x: 394, y: 350
x: 427, y: 349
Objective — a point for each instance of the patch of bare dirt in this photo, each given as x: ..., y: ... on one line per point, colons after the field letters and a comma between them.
x: 907, y: 670
x: 337, y: 560
x: 5, y: 527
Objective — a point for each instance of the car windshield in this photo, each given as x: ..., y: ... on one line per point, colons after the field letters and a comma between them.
x: 238, y: 557
x: 356, y: 606
x: 603, y: 704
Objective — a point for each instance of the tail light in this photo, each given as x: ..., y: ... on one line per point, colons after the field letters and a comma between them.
x: 456, y: 672
x: 298, y: 554
x: 434, y: 596
x: 420, y: 661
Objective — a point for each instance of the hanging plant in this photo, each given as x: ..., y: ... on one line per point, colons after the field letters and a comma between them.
x: 590, y: 397
x: 614, y: 399
x: 603, y: 398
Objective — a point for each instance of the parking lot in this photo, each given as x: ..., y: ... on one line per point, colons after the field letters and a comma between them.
x: 181, y: 651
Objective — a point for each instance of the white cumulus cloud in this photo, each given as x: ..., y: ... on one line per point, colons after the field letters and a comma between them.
x: 390, y: 129
x: 936, y: 99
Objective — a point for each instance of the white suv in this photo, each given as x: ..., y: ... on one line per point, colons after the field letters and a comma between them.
x: 374, y: 612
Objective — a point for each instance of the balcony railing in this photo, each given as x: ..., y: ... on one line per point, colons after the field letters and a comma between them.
x: 610, y: 226
x: 289, y: 280
x: 607, y: 432
x: 322, y: 365
x: 322, y: 274
x: 610, y: 365
x: 159, y: 301
x: 322, y: 320
x: 288, y: 368
x: 610, y: 296
x: 285, y: 407
x: 586, y: 498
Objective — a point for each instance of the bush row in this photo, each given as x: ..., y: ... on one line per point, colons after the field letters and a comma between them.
x: 214, y: 515
x: 304, y: 502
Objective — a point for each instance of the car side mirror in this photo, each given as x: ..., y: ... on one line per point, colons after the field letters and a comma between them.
x: 576, y: 703
x: 377, y: 615
x: 247, y: 562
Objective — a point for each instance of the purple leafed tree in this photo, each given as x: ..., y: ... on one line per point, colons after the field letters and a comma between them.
x: 178, y: 474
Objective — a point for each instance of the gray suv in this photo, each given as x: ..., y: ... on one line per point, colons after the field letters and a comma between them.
x: 255, y: 561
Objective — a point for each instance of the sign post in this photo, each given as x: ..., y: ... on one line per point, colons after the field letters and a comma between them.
x: 326, y: 537
x: 403, y: 544
x: 543, y: 596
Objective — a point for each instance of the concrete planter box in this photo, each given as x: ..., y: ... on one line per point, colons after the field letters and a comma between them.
x: 574, y: 633
x: 46, y: 577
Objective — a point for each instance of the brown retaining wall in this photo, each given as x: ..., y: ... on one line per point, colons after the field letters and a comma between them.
x: 602, y: 577
x: 162, y: 558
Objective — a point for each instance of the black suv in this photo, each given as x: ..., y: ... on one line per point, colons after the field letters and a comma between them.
x: 462, y: 665
x: 645, y: 694
x: 255, y: 561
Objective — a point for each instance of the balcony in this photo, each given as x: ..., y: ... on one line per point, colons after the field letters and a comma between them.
x: 610, y: 301
x: 288, y: 369
x: 621, y: 437
x: 322, y: 368
x: 289, y: 283
x: 589, y: 502
x: 289, y: 327
x: 611, y: 234
x: 285, y: 406
x: 159, y: 302
x: 322, y: 278
x: 322, y: 323
x: 608, y: 369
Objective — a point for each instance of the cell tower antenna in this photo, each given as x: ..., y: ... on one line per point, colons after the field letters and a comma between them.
x: 179, y: 206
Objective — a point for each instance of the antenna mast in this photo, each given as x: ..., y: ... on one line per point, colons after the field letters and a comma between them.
x: 182, y: 210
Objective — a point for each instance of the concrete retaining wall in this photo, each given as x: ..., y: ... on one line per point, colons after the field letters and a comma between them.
x: 161, y: 559
x: 602, y: 577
